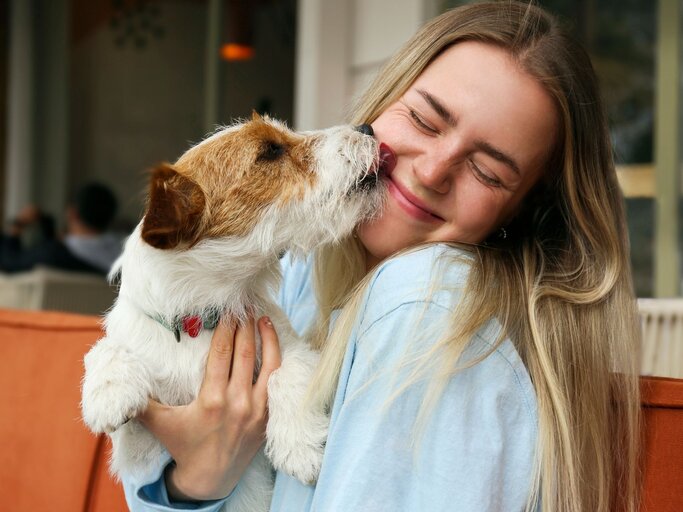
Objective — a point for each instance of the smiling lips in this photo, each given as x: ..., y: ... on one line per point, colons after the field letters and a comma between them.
x: 405, y: 199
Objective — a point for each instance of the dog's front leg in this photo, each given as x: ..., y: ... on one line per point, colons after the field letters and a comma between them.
x: 295, y: 434
x: 116, y: 386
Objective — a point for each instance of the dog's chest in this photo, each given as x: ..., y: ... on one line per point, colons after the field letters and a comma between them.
x: 174, y: 354
x: 180, y: 367
x: 175, y: 368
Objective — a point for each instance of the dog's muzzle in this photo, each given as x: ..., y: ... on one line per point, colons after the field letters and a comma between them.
x: 365, y: 129
x: 367, y: 182
x: 370, y: 180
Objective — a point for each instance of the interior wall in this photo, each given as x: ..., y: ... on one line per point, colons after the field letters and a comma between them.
x: 19, y: 121
x: 134, y: 107
x: 4, y: 50
x: 341, y: 46
x: 50, y: 106
x: 131, y: 107
x: 266, y: 82
x: 372, y: 47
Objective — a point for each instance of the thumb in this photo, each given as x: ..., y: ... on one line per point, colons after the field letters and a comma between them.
x: 155, y: 417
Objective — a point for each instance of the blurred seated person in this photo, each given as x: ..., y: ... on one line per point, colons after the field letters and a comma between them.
x: 86, y: 246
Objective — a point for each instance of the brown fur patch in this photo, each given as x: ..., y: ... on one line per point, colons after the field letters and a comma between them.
x: 174, y: 210
x: 245, y: 170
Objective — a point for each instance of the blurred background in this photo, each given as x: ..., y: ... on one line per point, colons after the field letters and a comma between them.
x: 98, y: 91
x: 101, y: 90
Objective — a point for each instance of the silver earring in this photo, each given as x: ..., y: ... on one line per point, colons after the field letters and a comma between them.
x: 502, y: 233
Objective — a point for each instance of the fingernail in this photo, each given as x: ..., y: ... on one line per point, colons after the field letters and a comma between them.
x: 266, y: 320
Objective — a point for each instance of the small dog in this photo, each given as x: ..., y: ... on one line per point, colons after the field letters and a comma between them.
x: 208, y: 246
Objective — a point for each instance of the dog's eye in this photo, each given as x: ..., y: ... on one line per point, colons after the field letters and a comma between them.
x: 271, y: 151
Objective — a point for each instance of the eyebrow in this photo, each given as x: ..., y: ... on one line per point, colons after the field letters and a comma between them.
x: 497, y: 154
x: 438, y: 107
x: 483, y: 146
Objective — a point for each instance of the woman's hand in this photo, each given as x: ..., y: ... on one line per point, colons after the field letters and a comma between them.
x: 214, y: 438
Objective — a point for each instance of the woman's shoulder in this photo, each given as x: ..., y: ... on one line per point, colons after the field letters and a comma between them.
x: 420, y: 262
x: 413, y: 296
x: 502, y: 371
x: 434, y: 274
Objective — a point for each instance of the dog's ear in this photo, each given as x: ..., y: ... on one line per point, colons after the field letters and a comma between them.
x: 174, y: 209
x: 255, y: 116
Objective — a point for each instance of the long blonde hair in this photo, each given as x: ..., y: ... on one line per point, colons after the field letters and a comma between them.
x: 560, y: 285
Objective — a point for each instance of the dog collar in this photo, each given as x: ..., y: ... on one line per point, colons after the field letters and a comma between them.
x: 192, y: 325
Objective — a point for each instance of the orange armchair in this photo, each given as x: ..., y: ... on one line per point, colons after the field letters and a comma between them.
x: 48, y: 459
x: 662, y: 402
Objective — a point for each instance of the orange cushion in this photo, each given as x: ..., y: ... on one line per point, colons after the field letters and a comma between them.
x: 105, y: 494
x: 662, y: 401
x: 48, y: 456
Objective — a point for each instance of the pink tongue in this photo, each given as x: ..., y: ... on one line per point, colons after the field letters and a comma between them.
x: 387, y: 158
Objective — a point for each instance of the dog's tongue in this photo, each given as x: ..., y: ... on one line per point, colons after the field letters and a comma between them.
x: 387, y: 158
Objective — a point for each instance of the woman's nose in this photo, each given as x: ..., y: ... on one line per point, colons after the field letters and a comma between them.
x: 435, y: 173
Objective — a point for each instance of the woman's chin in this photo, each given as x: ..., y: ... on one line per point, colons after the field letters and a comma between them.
x: 381, y: 240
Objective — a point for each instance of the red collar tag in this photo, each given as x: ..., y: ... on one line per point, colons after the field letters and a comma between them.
x: 192, y: 325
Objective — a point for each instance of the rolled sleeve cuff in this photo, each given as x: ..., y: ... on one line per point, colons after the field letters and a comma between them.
x: 154, y: 496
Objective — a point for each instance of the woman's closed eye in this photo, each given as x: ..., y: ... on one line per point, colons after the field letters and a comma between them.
x: 484, y: 176
x: 421, y: 123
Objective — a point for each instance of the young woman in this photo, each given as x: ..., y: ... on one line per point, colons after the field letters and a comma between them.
x: 480, y: 336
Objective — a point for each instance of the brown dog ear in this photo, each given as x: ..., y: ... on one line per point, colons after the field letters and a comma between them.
x: 174, y: 209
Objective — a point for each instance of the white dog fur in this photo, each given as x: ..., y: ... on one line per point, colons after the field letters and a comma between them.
x: 323, y: 194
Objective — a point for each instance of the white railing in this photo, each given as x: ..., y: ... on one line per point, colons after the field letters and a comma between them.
x: 662, y: 350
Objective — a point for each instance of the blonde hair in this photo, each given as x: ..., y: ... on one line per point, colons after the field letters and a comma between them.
x: 560, y: 285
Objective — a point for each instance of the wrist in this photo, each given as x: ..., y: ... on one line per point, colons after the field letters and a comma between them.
x: 175, y: 489
x: 189, y: 487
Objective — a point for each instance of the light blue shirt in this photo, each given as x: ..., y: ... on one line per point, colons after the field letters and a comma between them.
x: 477, y: 448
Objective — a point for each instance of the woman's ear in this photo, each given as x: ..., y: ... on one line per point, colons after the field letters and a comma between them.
x: 174, y: 209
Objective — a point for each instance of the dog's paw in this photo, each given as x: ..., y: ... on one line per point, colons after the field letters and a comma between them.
x: 105, y: 419
x: 295, y: 434
x: 300, y: 458
x: 115, y: 388
x: 110, y: 404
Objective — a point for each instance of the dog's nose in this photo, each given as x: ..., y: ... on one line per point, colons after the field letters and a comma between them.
x: 365, y: 129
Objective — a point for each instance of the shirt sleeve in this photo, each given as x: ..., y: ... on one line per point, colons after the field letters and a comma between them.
x: 153, y: 496
x: 476, y: 449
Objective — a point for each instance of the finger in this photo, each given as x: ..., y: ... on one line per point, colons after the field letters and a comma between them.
x: 242, y: 373
x: 165, y: 422
x: 271, y: 358
x: 219, y: 358
x: 155, y: 415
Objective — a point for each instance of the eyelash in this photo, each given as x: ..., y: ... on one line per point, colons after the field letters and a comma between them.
x: 485, y: 178
x: 420, y: 123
